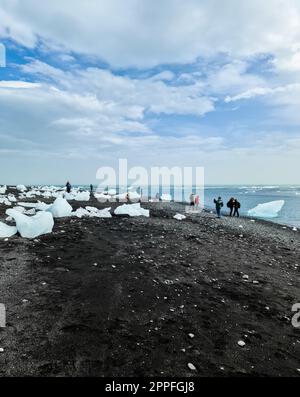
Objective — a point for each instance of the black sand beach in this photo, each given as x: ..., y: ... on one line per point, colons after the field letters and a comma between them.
x: 146, y: 297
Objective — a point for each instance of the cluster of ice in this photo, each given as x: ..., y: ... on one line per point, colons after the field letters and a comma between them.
x: 267, y: 210
x: 132, y: 210
x: 77, y: 196
x: 92, y: 212
x: 32, y: 226
x: 112, y: 195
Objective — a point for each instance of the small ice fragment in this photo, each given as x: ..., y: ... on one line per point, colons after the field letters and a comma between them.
x: 246, y: 277
x: 191, y: 367
x: 241, y: 343
x: 191, y: 336
x: 179, y: 217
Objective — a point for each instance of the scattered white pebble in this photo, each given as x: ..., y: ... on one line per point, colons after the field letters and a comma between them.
x: 192, y: 367
x: 191, y: 336
x: 246, y: 277
x: 255, y: 282
x: 241, y: 343
x: 1, y: 350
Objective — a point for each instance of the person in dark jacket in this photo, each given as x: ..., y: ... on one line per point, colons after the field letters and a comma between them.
x: 230, y: 205
x: 92, y: 188
x: 69, y: 187
x: 219, y: 204
x: 237, y: 206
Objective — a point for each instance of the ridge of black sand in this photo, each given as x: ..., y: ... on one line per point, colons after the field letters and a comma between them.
x: 157, y: 280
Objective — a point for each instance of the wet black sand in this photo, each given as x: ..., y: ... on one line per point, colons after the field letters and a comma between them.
x: 156, y: 281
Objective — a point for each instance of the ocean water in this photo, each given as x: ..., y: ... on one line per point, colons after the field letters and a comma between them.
x: 251, y: 196
x: 248, y: 196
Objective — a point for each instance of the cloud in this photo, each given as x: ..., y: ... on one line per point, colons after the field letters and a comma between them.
x: 136, y: 96
x: 145, y: 34
x: 284, y: 94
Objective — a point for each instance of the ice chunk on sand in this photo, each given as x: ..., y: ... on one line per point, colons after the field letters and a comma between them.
x: 133, y: 196
x: 40, y: 206
x: 267, y: 210
x: 12, y: 198
x: 60, y: 208
x: 3, y: 189
x: 83, y: 196
x: 81, y: 212
x: 21, y: 188
x: 132, y: 210
x: 101, y: 197
x: 179, y: 217
x: 34, y: 226
x: 102, y: 213
x: 95, y: 213
x: 5, y: 201
x: 7, y: 231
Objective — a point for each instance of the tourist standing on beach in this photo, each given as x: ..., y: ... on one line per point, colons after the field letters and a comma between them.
x: 192, y: 200
x: 69, y: 187
x: 237, y: 206
x: 197, y: 201
x: 92, y: 188
x: 230, y: 205
x: 219, y: 205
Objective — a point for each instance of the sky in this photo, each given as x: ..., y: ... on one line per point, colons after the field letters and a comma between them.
x: 202, y: 83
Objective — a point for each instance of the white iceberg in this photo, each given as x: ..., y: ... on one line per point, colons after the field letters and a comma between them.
x: 267, y: 210
x: 60, y: 208
x: 7, y: 231
x: 3, y: 189
x: 132, y: 210
x: 34, y: 226
x: 179, y: 217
